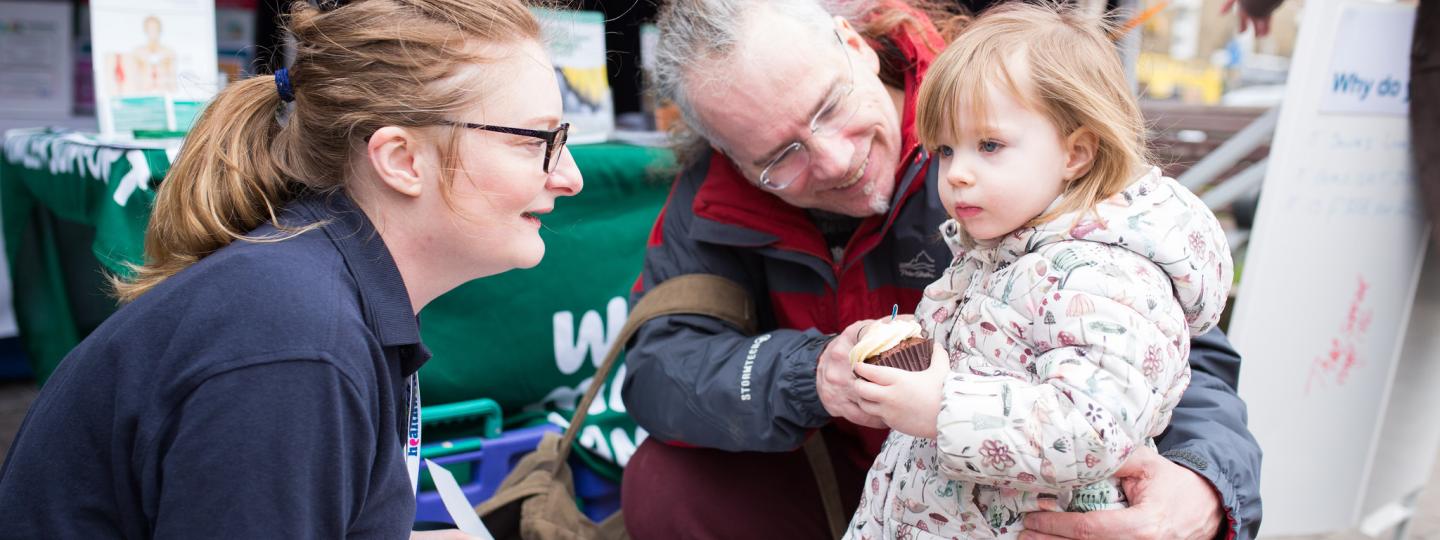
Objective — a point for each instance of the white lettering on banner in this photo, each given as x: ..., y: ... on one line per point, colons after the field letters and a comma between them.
x: 594, y: 440
x: 749, y: 365
x: 20, y: 150
x: 76, y: 158
x: 61, y: 155
x: 594, y: 337
x: 137, y: 178
x: 598, y: 405
x: 555, y: 418
x: 100, y: 164
x: 617, y: 450
x: 563, y: 397
x: 617, y: 401
x: 623, y: 446
x: 567, y: 398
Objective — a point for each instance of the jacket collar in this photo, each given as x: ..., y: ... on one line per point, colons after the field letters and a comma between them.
x: 383, y: 295
x: 1154, y: 217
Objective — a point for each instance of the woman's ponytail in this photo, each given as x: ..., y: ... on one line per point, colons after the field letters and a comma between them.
x: 224, y: 183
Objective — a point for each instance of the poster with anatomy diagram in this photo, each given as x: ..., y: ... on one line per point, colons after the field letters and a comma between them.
x: 154, y: 61
x: 576, y: 43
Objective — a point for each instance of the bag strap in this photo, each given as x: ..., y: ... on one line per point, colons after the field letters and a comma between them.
x: 826, y: 481
x: 699, y: 294
x: 721, y: 298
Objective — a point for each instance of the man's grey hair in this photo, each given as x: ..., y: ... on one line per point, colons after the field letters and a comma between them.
x: 696, y: 36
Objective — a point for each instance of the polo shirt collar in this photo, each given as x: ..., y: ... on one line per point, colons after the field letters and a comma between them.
x: 383, y: 296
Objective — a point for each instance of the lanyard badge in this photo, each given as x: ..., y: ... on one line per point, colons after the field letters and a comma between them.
x: 412, y: 439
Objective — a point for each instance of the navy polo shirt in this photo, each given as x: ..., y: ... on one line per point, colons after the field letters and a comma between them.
x: 260, y: 393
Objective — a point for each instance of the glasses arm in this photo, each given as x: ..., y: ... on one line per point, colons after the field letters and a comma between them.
x: 547, y: 136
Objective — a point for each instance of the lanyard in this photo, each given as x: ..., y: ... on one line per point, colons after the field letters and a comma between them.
x: 458, y: 506
x: 412, y: 439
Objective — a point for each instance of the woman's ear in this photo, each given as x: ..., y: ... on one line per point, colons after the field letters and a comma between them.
x: 395, y: 153
x: 1080, y: 148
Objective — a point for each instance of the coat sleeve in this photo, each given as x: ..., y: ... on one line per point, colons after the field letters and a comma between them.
x: 1107, y: 375
x: 1208, y: 434
x: 695, y: 380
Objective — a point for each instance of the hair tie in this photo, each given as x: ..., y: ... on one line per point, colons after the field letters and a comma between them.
x: 282, y: 85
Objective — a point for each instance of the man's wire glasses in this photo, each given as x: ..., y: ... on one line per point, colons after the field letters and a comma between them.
x: 792, y: 162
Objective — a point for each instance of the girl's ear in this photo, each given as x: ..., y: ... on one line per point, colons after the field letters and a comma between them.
x: 1080, y: 148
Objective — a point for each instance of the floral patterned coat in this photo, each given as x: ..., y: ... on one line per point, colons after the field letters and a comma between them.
x: 1068, y: 348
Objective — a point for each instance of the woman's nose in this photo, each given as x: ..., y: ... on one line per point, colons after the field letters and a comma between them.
x: 566, y: 177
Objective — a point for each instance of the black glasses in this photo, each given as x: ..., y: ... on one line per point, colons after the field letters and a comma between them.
x: 554, y: 139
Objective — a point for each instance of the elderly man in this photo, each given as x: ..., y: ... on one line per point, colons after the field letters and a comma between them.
x: 814, y: 194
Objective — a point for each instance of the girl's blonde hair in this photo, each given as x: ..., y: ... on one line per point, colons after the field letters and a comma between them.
x: 1075, y: 81
x: 358, y: 67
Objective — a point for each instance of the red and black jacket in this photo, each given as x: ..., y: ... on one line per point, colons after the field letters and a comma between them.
x: 758, y: 392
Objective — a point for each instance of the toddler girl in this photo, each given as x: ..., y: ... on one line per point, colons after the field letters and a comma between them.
x: 1065, y: 318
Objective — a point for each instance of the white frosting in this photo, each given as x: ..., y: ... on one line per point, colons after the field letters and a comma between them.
x: 880, y: 336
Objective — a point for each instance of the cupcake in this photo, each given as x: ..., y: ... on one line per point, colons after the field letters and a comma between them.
x: 894, y: 343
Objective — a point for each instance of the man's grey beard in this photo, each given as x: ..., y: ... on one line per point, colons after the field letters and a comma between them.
x: 878, y: 203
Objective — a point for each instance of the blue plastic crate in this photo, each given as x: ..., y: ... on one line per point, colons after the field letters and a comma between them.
x: 599, y: 497
x: 488, y: 466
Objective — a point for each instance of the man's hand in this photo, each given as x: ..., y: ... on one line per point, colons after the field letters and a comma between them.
x: 834, y: 381
x: 907, y: 401
x: 1261, y: 24
x: 1166, y: 501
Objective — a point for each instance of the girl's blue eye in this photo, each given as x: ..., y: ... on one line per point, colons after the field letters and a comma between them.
x: 989, y: 146
x: 945, y: 151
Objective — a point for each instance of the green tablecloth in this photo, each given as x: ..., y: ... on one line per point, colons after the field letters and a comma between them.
x: 527, y: 339
x: 60, y: 193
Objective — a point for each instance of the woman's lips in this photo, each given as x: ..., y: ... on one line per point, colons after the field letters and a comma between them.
x: 533, y: 217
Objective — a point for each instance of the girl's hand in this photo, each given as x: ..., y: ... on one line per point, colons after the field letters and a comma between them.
x: 907, y: 401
